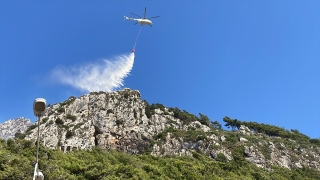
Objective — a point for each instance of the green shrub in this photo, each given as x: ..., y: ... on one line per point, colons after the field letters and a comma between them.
x: 50, y: 112
x: 61, y: 109
x: 221, y: 157
x: 190, y: 128
x: 78, y: 125
x: 126, y: 95
x: 266, y: 152
x: 267, y: 129
x: 69, y: 101
x: 59, y: 121
x: 190, y: 135
x: 315, y: 141
x: 204, y: 119
x: 184, y: 116
x: 69, y: 134
x: 19, y: 135
x: 135, y: 114
x: 16, y: 159
x: 150, y: 110
x: 44, y: 120
x: 119, y: 122
x: 232, y: 137
x: 170, y: 121
x: 72, y: 117
x: 30, y: 128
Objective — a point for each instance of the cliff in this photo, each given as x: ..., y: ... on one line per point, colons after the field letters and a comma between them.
x: 9, y: 128
x: 122, y: 121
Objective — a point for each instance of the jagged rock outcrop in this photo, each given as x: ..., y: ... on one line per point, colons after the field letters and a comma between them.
x: 245, y: 130
x: 115, y: 120
x: 121, y: 120
x: 254, y: 156
x: 9, y: 128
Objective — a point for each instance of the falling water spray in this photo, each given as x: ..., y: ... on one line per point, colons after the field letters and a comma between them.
x: 105, y: 75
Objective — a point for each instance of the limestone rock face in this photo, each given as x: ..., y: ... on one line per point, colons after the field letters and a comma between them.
x: 9, y: 128
x: 245, y: 130
x: 121, y: 120
x: 110, y: 120
x: 254, y: 156
x: 243, y: 139
x: 223, y: 139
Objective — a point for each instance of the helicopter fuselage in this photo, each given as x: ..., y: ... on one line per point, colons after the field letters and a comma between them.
x: 142, y: 21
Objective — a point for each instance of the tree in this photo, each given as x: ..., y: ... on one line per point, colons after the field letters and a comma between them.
x: 228, y: 122
x: 295, y: 131
x: 233, y: 123
x: 216, y: 124
x: 19, y: 135
x: 237, y: 123
x: 204, y: 119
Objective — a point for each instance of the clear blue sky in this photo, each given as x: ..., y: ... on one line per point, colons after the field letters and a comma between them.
x: 250, y: 60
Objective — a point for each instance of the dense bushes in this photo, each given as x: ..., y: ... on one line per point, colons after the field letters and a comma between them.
x: 150, y: 110
x: 190, y: 135
x: 30, y: 128
x: 221, y: 157
x: 204, y: 119
x: 315, y: 141
x: 184, y: 116
x: 269, y: 130
x: 69, y: 101
x: 44, y: 120
x: 72, y: 117
x: 61, y: 110
x: 16, y: 157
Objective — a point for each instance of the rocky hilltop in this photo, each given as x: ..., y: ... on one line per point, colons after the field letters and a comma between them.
x: 122, y: 120
x: 9, y: 128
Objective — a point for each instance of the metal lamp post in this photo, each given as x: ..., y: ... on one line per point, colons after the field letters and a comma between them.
x: 39, y: 107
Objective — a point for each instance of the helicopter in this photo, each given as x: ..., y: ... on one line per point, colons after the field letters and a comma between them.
x: 143, y: 20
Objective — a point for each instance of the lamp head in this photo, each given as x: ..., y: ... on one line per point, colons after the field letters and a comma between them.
x: 39, y: 107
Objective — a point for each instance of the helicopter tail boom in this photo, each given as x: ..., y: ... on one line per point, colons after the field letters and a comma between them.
x: 127, y: 18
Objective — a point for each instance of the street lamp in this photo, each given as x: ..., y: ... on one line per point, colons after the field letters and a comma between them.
x: 39, y: 107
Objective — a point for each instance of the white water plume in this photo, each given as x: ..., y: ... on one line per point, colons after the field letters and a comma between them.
x: 105, y: 75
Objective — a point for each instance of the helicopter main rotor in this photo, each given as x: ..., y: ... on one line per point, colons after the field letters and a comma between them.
x: 144, y: 16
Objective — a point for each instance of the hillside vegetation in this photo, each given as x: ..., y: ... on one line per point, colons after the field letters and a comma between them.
x: 118, y: 135
x: 17, y: 158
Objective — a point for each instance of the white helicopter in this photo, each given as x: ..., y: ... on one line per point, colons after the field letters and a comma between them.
x: 143, y: 20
